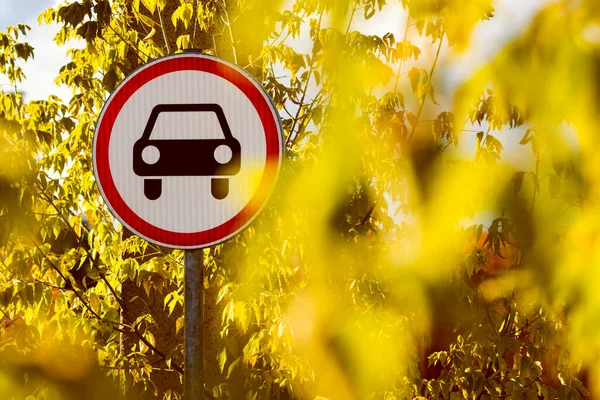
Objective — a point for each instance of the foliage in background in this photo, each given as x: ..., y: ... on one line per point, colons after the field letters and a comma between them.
x: 399, y: 257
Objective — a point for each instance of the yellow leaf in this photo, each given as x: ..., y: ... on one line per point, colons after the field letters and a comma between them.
x: 150, y: 5
x: 150, y: 338
x: 179, y: 324
x: 183, y: 42
x: 146, y: 20
x: 150, y: 35
x: 95, y: 302
x: 281, y: 328
x: 146, y: 285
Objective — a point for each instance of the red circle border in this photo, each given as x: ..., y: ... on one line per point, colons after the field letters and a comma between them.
x: 274, y: 144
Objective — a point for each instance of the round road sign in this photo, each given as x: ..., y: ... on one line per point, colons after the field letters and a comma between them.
x: 187, y: 150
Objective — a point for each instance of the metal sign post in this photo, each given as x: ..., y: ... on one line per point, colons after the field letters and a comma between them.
x: 193, y: 277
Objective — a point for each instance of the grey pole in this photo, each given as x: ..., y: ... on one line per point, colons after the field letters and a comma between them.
x: 193, y: 277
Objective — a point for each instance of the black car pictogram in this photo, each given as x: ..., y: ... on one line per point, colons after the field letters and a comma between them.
x: 218, y: 158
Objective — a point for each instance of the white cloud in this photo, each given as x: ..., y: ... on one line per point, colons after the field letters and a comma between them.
x: 42, y: 71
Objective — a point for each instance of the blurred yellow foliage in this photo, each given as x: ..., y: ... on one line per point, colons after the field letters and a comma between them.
x: 431, y: 236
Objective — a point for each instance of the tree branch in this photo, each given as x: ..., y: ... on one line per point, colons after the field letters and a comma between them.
x: 427, y: 85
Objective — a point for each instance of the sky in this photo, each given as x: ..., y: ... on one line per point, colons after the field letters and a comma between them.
x: 12, y: 11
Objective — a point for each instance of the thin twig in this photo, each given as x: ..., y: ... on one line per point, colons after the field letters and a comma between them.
x: 55, y: 268
x: 316, y: 101
x: 228, y: 24
x: 310, y: 71
x: 135, y: 329
x: 6, y: 315
x: 195, y: 21
x: 427, y: 85
x: 162, y: 28
x: 12, y: 275
x: 351, y: 18
x: 536, y: 184
x: 133, y: 46
x: 402, y: 59
x: 119, y: 300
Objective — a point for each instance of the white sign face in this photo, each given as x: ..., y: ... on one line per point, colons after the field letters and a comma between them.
x: 187, y: 150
